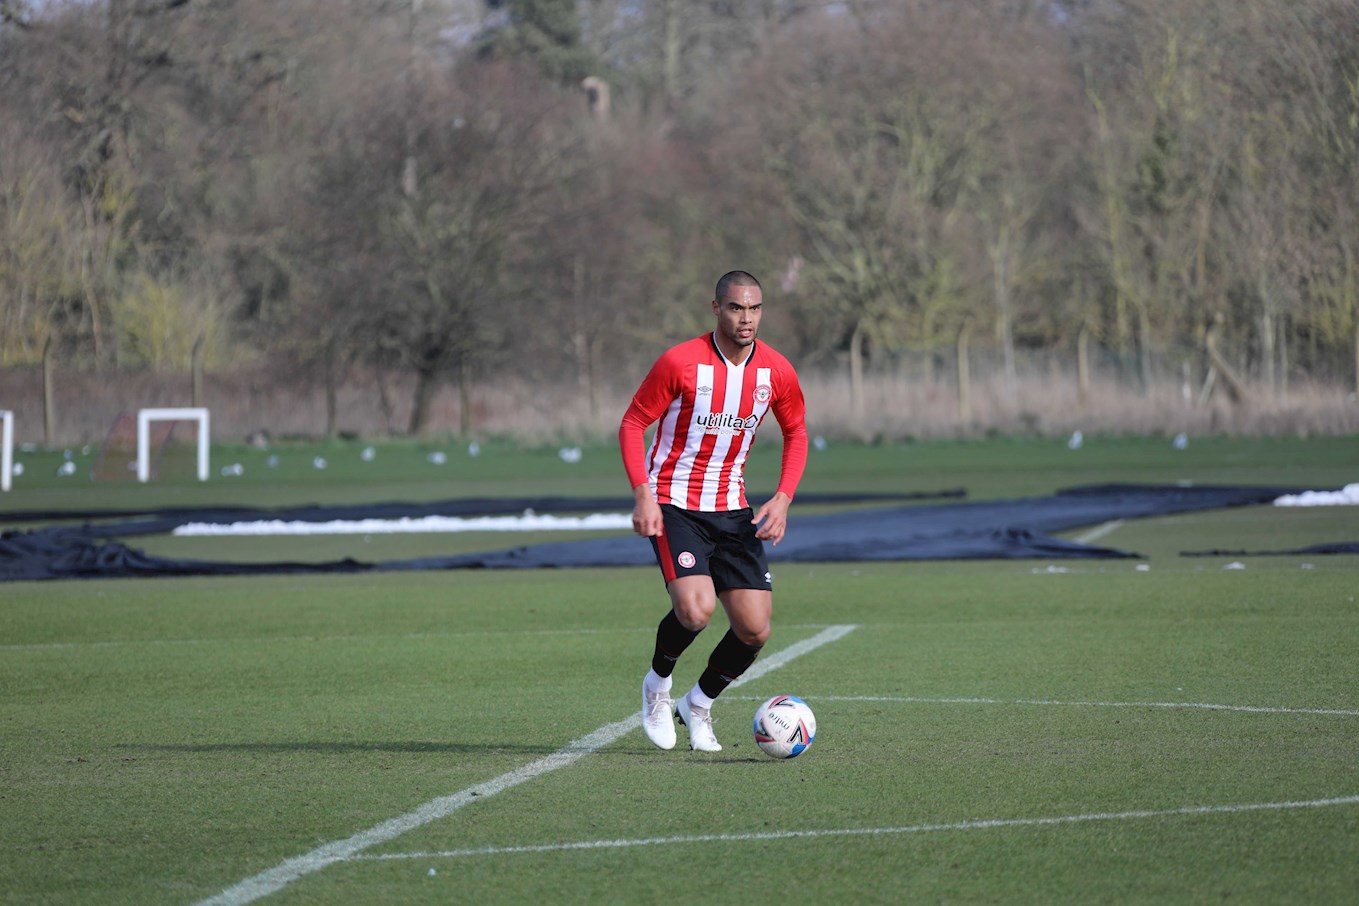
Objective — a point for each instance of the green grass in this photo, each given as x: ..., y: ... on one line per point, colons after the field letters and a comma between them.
x: 163, y: 740
x: 401, y: 470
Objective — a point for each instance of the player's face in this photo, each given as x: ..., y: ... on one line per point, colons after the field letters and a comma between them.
x: 738, y: 314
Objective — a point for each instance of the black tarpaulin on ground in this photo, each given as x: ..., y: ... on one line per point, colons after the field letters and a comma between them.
x: 60, y: 553
x: 1338, y: 547
x: 1002, y: 529
x: 987, y: 530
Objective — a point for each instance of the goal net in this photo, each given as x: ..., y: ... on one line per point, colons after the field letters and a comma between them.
x: 175, y: 446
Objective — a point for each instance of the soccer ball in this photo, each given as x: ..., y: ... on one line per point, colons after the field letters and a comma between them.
x: 784, y: 726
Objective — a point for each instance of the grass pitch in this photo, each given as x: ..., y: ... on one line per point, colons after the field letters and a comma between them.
x: 1169, y: 730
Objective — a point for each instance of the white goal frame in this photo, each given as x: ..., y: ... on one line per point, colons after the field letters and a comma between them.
x: 144, y: 419
x: 6, y: 448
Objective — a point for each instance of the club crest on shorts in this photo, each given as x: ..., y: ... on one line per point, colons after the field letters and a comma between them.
x: 686, y: 560
x: 763, y: 393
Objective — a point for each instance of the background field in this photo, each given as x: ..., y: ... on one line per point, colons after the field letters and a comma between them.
x: 161, y: 741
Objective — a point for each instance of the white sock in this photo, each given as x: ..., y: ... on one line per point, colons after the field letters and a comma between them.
x: 657, y: 683
x: 698, y: 699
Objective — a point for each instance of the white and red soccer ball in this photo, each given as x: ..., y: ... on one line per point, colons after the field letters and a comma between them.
x: 784, y: 726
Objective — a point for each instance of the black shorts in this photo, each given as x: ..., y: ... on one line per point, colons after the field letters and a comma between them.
x: 721, y: 545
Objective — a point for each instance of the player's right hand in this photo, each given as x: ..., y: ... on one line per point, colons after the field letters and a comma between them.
x: 646, y: 514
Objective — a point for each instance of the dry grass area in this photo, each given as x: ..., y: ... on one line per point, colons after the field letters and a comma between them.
x: 894, y: 408
x: 1054, y: 406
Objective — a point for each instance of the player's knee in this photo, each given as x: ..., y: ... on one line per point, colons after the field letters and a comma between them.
x: 754, y: 636
x: 693, y: 612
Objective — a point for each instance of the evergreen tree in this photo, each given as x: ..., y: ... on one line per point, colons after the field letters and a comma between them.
x: 546, y: 31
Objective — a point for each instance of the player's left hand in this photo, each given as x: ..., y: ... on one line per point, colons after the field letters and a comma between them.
x: 772, y: 518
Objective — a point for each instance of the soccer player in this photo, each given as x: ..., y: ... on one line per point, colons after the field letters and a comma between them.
x: 709, y: 395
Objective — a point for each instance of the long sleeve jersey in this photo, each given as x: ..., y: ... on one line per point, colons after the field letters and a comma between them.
x: 709, y: 410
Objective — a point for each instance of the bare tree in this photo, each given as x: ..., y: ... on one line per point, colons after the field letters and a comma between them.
x: 36, y: 223
x: 335, y: 182
x: 440, y: 264
x: 887, y: 148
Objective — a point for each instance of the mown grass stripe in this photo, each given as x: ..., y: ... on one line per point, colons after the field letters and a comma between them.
x: 283, y: 874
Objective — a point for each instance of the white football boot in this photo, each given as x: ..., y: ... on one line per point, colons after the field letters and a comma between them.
x: 657, y: 717
x: 700, y: 724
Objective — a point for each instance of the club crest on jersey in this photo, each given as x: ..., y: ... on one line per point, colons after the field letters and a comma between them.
x: 763, y: 393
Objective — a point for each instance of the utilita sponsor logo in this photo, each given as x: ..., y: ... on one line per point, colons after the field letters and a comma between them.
x: 722, y: 423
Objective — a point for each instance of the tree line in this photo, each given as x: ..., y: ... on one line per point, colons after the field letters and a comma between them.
x: 472, y: 189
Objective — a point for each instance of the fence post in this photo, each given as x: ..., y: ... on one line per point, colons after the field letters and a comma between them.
x: 49, y: 409
x: 197, y: 388
x: 1083, y: 363
x: 964, y: 374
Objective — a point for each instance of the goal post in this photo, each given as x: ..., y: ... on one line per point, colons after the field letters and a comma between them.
x: 6, y: 448
x: 144, y: 419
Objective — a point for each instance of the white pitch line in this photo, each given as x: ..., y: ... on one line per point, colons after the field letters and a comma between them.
x: 979, y: 824
x: 283, y: 874
x: 1202, y: 706
x: 1099, y: 532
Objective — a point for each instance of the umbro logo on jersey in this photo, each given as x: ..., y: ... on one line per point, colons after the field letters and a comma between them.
x: 704, y: 391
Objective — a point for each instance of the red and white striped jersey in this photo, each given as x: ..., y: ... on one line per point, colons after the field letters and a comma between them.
x: 709, y: 410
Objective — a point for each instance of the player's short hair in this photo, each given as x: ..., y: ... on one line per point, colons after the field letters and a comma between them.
x: 735, y: 278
